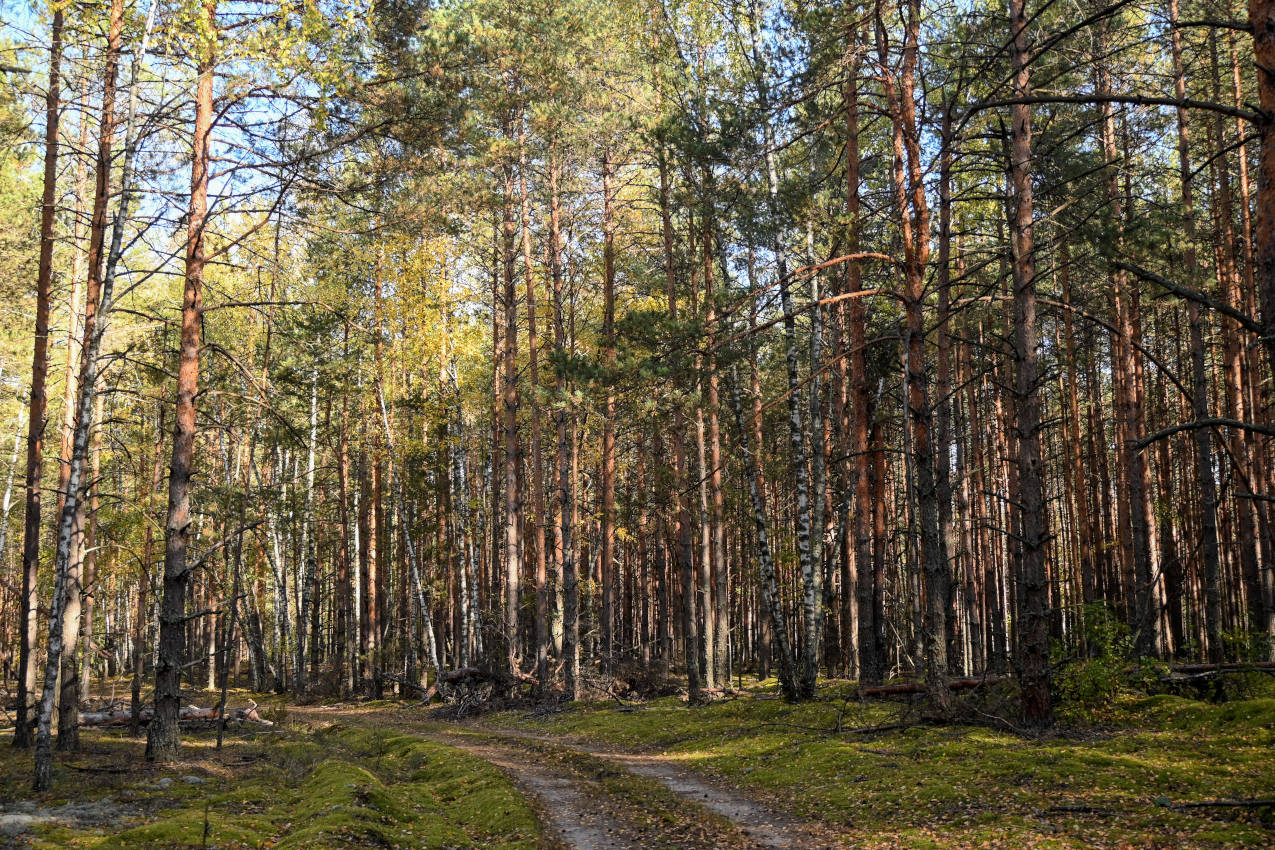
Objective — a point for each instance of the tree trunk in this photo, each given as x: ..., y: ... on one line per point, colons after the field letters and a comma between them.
x: 512, y: 448
x: 788, y: 683
x: 1199, y: 376
x: 608, y: 565
x: 808, y: 668
x: 914, y: 221
x: 28, y: 618
x: 562, y: 417
x: 163, y: 736
x: 310, y: 579
x: 80, y: 445
x: 344, y: 591
x: 543, y: 670
x: 1033, y: 633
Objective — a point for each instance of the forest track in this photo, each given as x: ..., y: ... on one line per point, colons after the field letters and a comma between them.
x: 762, y: 825
x: 591, y: 798
x: 576, y: 817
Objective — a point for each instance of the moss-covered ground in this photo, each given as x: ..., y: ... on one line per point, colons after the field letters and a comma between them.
x: 639, y: 810
x: 291, y: 787
x: 1118, y: 784
x: 1132, y: 776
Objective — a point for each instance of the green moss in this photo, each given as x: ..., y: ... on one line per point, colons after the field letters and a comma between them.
x: 186, y: 829
x: 965, y: 785
x: 334, y: 787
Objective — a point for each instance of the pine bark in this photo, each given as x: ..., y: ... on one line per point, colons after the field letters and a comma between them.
x: 162, y: 736
x: 28, y: 618
x: 80, y: 445
x: 1033, y: 633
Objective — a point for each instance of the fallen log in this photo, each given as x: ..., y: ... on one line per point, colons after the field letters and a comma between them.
x: 123, y: 717
x: 1263, y: 666
x: 920, y: 688
x: 451, y: 677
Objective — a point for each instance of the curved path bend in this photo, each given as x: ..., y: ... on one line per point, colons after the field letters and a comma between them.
x: 589, y: 798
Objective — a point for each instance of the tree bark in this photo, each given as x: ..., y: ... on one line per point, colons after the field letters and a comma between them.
x: 28, y: 619
x: 88, y: 381
x: 512, y: 448
x: 163, y: 736
x: 1033, y: 633
x: 562, y: 417
x: 788, y: 684
x: 543, y: 670
x: 682, y: 519
x: 914, y: 221
x: 608, y: 564
x: 1199, y: 377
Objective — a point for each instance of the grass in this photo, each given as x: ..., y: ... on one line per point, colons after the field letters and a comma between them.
x: 335, y: 787
x: 969, y: 785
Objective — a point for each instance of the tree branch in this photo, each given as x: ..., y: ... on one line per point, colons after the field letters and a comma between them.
x: 1246, y: 321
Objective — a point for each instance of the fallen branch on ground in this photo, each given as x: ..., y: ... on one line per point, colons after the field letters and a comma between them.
x: 1216, y: 804
x: 1243, y: 667
x: 920, y: 687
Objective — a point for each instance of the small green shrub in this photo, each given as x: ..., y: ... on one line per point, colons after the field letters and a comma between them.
x: 1242, y: 645
x: 1086, y: 688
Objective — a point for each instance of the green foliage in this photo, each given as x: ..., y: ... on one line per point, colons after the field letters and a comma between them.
x: 1087, y: 687
x: 1247, y: 646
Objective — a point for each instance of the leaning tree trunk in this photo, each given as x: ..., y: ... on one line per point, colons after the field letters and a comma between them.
x: 414, y: 574
x: 88, y: 385
x: 39, y: 398
x: 163, y: 737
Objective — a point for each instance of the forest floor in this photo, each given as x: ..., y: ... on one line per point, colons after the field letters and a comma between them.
x: 876, y: 775
x: 744, y: 771
x: 287, y: 787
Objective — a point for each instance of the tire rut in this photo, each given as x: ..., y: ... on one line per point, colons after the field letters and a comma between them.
x: 575, y: 818
x: 760, y: 824
x: 585, y: 800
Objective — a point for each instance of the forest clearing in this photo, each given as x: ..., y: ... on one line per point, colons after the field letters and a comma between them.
x: 650, y: 423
